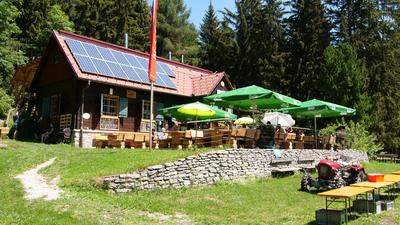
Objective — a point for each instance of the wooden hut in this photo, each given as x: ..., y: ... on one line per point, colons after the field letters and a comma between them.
x: 78, y: 75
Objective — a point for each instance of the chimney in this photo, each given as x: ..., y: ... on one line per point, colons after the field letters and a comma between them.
x: 170, y: 55
x: 126, y: 40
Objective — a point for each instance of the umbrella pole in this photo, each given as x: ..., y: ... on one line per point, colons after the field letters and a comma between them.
x: 315, y: 131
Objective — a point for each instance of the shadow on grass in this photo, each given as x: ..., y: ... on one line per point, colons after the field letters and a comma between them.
x: 351, y: 217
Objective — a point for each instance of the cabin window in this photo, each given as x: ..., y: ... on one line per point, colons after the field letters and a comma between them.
x: 123, y: 107
x: 109, y: 105
x: 146, y: 110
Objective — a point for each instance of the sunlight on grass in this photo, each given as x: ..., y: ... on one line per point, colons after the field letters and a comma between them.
x: 251, y: 201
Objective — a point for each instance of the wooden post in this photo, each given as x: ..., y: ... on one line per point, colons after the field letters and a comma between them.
x: 151, y: 115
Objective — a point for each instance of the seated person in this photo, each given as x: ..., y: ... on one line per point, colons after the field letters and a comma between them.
x: 267, y: 132
x: 280, y: 129
x: 45, y: 136
x: 289, y: 130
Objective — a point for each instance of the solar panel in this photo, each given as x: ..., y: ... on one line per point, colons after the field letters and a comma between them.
x: 131, y: 73
x: 168, y: 82
x: 106, y: 54
x: 143, y: 62
x: 117, y: 70
x: 133, y: 61
x: 143, y: 75
x: 159, y: 81
x: 167, y: 69
x: 120, y: 57
x: 107, y: 62
x: 76, y: 46
x: 91, y: 50
x: 86, y: 64
x: 102, y: 67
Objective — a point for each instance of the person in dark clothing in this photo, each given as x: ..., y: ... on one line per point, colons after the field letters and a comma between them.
x: 267, y: 133
x: 16, y: 125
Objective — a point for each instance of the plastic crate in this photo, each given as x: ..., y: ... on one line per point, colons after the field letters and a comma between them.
x: 330, y: 217
x: 387, y: 205
x: 360, y: 206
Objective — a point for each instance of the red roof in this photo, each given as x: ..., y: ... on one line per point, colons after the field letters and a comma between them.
x: 189, y: 80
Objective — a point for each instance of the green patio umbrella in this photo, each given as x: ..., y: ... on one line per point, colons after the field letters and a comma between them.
x: 252, y: 97
x: 315, y: 108
x: 188, y: 112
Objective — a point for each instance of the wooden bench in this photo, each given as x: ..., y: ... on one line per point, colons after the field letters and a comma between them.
x: 129, y: 140
x: 285, y: 170
x: 280, y: 162
x: 283, y: 166
x: 115, y: 141
x: 100, y: 141
x: 306, y: 164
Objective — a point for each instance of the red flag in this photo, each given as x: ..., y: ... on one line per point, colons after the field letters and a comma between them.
x: 153, y: 43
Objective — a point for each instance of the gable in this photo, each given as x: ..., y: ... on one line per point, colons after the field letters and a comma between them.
x: 53, y: 68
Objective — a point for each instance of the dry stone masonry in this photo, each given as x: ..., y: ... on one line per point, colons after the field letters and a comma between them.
x: 211, y: 167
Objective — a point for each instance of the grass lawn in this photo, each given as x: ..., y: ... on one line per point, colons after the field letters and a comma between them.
x: 254, y: 201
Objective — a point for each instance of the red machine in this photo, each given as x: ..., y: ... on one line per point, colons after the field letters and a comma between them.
x: 332, y: 175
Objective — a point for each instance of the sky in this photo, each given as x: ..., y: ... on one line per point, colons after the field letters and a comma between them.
x: 199, y: 7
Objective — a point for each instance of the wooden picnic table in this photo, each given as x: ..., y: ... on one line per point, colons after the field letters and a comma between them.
x: 391, y: 178
x: 396, y: 172
x: 346, y: 192
x: 376, y: 186
x: 344, y: 195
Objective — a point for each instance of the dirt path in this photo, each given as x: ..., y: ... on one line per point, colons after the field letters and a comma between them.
x: 36, y: 186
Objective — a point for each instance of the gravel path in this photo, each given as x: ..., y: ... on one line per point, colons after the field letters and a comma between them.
x: 36, y: 186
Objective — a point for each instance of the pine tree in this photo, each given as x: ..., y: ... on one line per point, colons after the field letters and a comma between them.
x: 259, y: 39
x: 110, y: 20
x: 309, y: 36
x: 209, y: 40
x: 344, y: 78
x: 385, y: 120
x: 32, y: 21
x: 175, y: 33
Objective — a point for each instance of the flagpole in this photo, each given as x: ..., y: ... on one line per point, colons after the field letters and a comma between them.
x: 152, y: 65
x: 151, y: 115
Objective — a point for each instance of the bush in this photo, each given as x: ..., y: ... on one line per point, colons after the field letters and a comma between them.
x: 357, y: 136
x: 6, y: 103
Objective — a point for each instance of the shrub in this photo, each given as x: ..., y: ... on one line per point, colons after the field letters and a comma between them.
x: 6, y: 102
x: 357, y: 136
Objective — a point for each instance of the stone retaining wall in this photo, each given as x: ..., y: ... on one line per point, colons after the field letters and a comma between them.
x: 208, y: 168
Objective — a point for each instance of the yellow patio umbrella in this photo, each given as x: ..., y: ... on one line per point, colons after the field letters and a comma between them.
x: 244, y: 121
x: 197, y: 109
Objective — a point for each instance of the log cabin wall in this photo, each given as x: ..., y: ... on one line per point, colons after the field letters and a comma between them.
x: 132, y: 121
x: 55, y: 80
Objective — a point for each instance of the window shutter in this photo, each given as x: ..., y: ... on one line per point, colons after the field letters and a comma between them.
x: 101, y: 104
x: 123, y: 107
